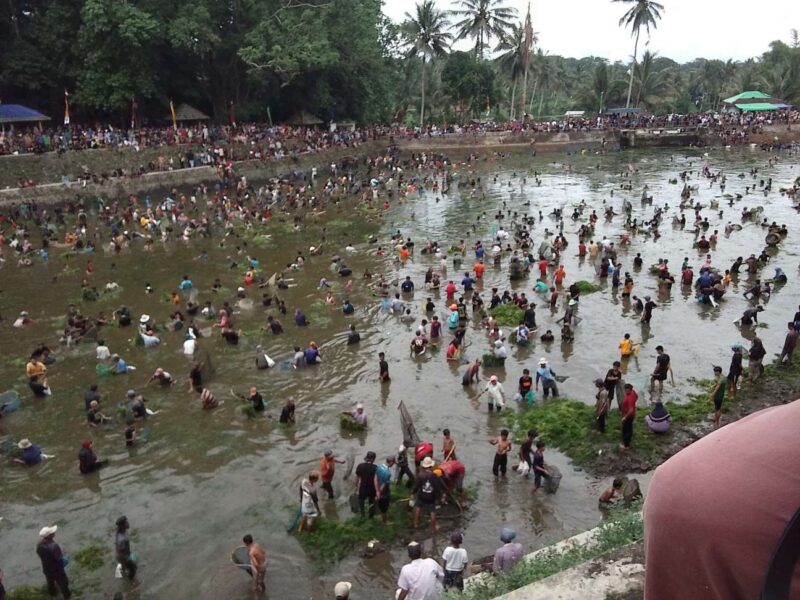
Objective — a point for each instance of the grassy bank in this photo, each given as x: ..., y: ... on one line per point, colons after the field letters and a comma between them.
x: 624, y: 527
x: 570, y: 425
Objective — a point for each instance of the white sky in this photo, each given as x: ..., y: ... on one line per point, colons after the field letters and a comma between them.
x: 689, y: 29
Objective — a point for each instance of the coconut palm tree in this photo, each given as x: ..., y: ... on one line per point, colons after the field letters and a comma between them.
x: 653, y: 83
x: 512, y: 59
x: 426, y: 37
x: 607, y: 85
x: 643, y: 13
x: 482, y: 19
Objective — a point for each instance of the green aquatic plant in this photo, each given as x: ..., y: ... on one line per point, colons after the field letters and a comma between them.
x: 28, y: 592
x: 349, y: 424
x: 91, y: 557
x: 508, y: 314
x: 587, y: 287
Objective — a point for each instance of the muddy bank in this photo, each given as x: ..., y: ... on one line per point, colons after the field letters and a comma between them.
x: 780, y: 385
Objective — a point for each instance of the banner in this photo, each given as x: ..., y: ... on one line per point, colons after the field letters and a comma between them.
x: 66, y: 107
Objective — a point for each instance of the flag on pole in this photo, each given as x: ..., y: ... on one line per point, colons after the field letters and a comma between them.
x: 174, y: 118
x: 133, y: 112
x: 66, y: 106
x: 232, y: 115
x: 488, y: 106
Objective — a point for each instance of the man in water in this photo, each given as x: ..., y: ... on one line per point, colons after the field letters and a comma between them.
x: 628, y: 410
x: 327, y: 469
x: 383, y: 495
x: 718, y: 394
x: 539, y: 468
x: 365, y: 483
x: 548, y: 378
x: 496, y: 394
x: 53, y: 563
x: 256, y: 399
x: 661, y: 371
x: 122, y: 545
x: 258, y: 562
x: 383, y: 368
x: 502, y: 447
x: 418, y: 344
x: 287, y: 413
x: 427, y: 490
x: 789, y: 344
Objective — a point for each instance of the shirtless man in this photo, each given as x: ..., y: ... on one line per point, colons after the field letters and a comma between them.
x: 448, y: 445
x: 258, y: 562
x: 502, y: 448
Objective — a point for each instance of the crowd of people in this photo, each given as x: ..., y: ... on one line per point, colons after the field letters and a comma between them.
x: 31, y: 232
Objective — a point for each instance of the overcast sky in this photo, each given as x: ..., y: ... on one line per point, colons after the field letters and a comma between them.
x: 736, y: 29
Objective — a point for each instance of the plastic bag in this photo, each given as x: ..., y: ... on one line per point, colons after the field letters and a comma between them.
x: 523, y: 468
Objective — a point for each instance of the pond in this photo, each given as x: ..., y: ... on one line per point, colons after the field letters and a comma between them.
x: 205, y: 478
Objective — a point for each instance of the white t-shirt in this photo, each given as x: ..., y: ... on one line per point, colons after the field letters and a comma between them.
x: 420, y: 578
x: 495, y: 393
x: 103, y: 353
x: 455, y: 559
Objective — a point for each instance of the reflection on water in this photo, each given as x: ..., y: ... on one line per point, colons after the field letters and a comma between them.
x: 203, y: 479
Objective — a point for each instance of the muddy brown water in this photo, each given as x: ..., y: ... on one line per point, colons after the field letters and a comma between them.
x: 203, y: 479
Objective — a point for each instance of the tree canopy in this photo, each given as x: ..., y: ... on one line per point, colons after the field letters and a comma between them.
x: 343, y: 59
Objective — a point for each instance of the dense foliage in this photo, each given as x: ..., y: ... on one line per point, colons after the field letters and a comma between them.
x: 341, y: 59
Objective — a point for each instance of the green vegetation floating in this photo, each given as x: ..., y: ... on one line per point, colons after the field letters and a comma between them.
x: 623, y: 528
x: 587, y: 287
x: 28, y: 592
x: 570, y: 426
x: 319, y: 314
x: 91, y: 557
x: 508, y: 315
x: 348, y: 424
x: 331, y: 540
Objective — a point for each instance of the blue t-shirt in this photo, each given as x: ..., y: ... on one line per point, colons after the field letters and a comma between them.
x: 122, y: 366
x: 480, y: 252
x: 32, y: 456
x: 384, y: 475
x: 467, y: 282
x: 186, y: 284
x: 311, y: 355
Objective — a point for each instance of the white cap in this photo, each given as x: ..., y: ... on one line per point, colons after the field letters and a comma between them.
x: 47, y: 531
x: 342, y: 589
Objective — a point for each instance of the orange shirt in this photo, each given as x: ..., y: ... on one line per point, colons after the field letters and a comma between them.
x: 326, y: 469
x: 479, y: 268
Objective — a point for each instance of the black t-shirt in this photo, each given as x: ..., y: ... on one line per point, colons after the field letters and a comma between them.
x: 538, y: 461
x: 662, y: 364
x: 384, y: 367
x: 231, y: 337
x: 87, y: 460
x: 366, y: 474
x: 275, y: 327
x: 197, y: 378
x: 93, y: 417
x: 427, y: 487
x: 129, y: 431
x: 89, y: 396
x: 525, y: 384
x: 526, y: 449
x: 287, y: 415
x: 407, y: 286
x: 258, y: 401
x: 530, y: 318
x: 612, y: 383
x: 649, y: 306
x: 353, y: 338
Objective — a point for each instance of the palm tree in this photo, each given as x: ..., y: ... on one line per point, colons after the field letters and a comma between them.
x: 643, y: 13
x: 605, y: 86
x: 512, y: 59
x: 653, y: 83
x: 482, y: 19
x: 426, y: 36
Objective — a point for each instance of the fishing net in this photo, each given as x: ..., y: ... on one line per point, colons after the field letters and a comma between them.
x: 551, y: 483
x: 407, y: 424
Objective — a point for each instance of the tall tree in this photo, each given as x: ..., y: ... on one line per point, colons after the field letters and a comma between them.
x: 512, y: 60
x: 643, y: 13
x: 481, y: 20
x: 427, y: 37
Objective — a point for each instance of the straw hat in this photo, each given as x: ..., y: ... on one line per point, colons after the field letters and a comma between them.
x: 427, y: 462
x: 24, y: 444
x: 47, y: 531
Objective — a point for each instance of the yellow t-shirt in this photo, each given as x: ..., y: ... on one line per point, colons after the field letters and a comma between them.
x: 625, y: 347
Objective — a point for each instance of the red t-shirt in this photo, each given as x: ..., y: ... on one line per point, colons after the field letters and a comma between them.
x: 629, y: 403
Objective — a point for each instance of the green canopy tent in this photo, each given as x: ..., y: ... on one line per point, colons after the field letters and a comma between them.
x: 751, y: 95
x: 757, y: 106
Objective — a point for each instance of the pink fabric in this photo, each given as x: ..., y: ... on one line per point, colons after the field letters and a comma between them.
x: 716, y: 510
